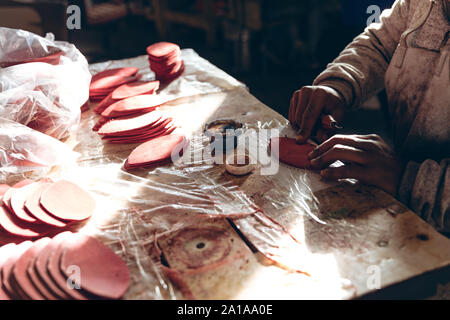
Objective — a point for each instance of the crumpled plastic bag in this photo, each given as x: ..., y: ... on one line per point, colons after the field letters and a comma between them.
x: 23, y: 149
x: 45, y: 95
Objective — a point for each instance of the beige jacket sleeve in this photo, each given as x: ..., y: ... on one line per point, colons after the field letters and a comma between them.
x: 358, y: 72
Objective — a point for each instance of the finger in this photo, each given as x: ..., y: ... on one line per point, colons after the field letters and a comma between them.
x: 293, y: 107
x: 303, y: 99
x: 310, y: 117
x: 323, y: 135
x: 342, y: 153
x: 345, y: 172
x: 347, y: 140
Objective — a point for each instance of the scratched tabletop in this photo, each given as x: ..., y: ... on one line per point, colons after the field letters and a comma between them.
x: 193, y: 231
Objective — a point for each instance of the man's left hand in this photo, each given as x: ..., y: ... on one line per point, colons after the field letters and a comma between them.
x: 367, y: 158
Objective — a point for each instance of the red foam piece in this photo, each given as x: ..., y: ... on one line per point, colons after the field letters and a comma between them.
x: 162, y: 50
x: 134, y: 104
x: 151, y: 129
x: 122, y: 126
x: 39, y: 266
x: 67, y: 201
x: 104, y: 274
x: 18, y: 199
x: 110, y: 78
x: 19, y: 271
x: 135, y: 89
x: 291, y: 153
x: 155, y: 150
x: 5, y: 252
x: 9, y: 264
x: 18, y: 228
x: 54, y: 271
x: 143, y: 138
x: 33, y: 206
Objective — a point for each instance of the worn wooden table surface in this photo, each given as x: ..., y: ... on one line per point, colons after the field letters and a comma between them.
x: 350, y: 240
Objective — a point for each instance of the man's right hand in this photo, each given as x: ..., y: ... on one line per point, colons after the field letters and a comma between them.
x: 309, y: 104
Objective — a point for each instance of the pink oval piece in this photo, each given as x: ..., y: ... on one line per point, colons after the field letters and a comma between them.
x: 18, y: 199
x: 32, y: 204
x: 39, y: 266
x: 104, y: 273
x: 134, y: 104
x: 162, y: 50
x: 134, y: 89
x: 155, y: 150
x: 130, y: 124
x: 67, y: 201
x: 19, y: 271
x: 54, y: 271
x: 9, y: 264
x: 111, y: 77
x: 11, y: 225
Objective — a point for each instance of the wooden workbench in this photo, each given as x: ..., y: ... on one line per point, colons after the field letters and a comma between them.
x: 350, y: 239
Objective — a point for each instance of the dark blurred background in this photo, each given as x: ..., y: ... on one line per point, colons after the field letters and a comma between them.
x: 274, y: 47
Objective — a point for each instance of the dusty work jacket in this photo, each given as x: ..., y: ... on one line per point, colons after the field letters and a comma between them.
x: 408, y: 54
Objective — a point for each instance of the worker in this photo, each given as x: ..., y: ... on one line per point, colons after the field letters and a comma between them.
x: 408, y: 54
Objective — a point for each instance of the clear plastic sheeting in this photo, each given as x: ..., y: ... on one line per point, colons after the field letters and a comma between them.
x: 23, y: 150
x: 44, y: 96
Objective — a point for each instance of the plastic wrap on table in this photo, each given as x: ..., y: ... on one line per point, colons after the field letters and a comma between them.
x: 47, y: 93
x: 23, y: 150
x: 135, y: 209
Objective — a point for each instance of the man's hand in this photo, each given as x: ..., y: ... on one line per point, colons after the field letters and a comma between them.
x: 367, y: 159
x: 307, y: 107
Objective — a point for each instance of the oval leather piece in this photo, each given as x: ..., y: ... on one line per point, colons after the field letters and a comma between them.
x: 134, y: 104
x: 19, y: 271
x: 162, y: 50
x: 111, y: 77
x: 103, y: 273
x: 8, y: 265
x: 54, y: 271
x: 67, y: 201
x: 40, y: 265
x: 155, y: 150
x: 291, y: 153
x: 5, y: 252
x: 134, y: 89
x: 17, y: 228
x: 131, y: 124
x: 18, y: 199
x: 32, y: 204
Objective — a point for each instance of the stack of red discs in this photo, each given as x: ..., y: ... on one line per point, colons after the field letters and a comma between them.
x: 165, y: 61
